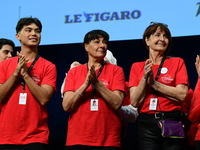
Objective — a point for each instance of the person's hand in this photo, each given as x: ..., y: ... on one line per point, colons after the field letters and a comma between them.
x: 92, y: 75
x: 148, y: 69
x: 197, y: 64
x: 74, y: 64
x: 21, y: 66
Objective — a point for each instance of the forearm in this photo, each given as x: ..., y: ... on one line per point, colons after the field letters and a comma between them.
x: 71, y: 99
x: 41, y: 94
x: 113, y: 98
x: 177, y: 93
x: 137, y: 94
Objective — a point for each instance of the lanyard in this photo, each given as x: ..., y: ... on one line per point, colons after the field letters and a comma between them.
x: 98, y: 74
x: 29, y: 70
x: 159, y: 71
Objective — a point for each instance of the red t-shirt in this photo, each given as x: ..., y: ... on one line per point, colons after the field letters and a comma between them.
x: 25, y: 123
x: 94, y: 128
x: 187, y: 102
x: 173, y: 73
x: 127, y: 100
x: 194, y: 113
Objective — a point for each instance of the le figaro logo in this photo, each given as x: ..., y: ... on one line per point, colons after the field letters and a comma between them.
x: 103, y: 16
x: 198, y: 10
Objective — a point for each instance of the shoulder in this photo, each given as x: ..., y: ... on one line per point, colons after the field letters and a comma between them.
x: 172, y: 58
x: 138, y: 64
x: 9, y: 61
x: 78, y: 68
x: 113, y: 67
x: 45, y: 62
x: 41, y: 59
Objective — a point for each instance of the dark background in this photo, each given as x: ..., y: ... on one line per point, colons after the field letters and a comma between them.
x: 126, y: 52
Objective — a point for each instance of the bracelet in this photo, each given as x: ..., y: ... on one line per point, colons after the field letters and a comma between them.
x: 156, y: 86
x: 78, y: 93
x: 24, y: 75
x: 144, y: 78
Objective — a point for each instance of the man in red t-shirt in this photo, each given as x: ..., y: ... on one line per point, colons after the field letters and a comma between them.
x: 25, y: 88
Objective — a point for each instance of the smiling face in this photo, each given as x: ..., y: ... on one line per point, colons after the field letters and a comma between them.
x: 29, y: 35
x: 97, y: 48
x: 158, y: 41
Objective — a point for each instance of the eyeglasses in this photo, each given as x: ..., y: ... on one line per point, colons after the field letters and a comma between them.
x: 152, y: 23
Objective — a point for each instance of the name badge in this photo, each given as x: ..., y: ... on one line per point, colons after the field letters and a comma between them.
x: 94, y: 104
x: 22, y: 98
x: 153, y: 104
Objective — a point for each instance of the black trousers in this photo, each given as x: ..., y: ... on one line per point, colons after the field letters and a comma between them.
x: 197, y: 145
x: 83, y: 147
x: 150, y: 137
x: 32, y: 146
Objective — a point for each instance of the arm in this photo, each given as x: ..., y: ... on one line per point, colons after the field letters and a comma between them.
x: 41, y: 93
x: 195, y: 103
x: 7, y: 88
x: 44, y: 92
x: 138, y: 93
x: 113, y: 98
x: 177, y: 93
x: 71, y: 99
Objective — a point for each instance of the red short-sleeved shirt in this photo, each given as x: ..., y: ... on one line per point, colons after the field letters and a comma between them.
x: 173, y: 73
x: 94, y: 128
x: 23, y: 124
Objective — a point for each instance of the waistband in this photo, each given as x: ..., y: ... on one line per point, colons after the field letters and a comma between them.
x: 160, y: 115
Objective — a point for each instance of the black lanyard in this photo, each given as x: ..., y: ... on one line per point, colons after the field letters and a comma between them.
x: 98, y: 74
x: 158, y: 73
x: 29, y: 70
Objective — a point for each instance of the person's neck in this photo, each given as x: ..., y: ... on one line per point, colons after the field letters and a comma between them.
x: 97, y: 63
x: 156, y: 58
x: 29, y: 53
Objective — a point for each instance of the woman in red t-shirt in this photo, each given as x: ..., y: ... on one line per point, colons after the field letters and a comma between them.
x: 94, y: 126
x: 158, y: 86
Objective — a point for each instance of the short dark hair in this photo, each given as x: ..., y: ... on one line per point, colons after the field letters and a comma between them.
x: 151, y: 29
x: 95, y: 34
x: 27, y: 21
x: 6, y: 42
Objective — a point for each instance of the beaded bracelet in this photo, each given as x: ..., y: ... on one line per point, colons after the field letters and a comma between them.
x: 78, y: 93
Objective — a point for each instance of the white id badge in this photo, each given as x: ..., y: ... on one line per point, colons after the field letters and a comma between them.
x: 94, y: 104
x: 153, y: 104
x: 22, y: 98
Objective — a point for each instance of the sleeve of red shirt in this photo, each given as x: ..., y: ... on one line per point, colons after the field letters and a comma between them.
x: 118, y: 82
x: 69, y: 80
x: 50, y: 76
x: 181, y: 73
x: 194, y: 113
x: 134, y: 75
x: 2, y: 72
x: 187, y: 102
